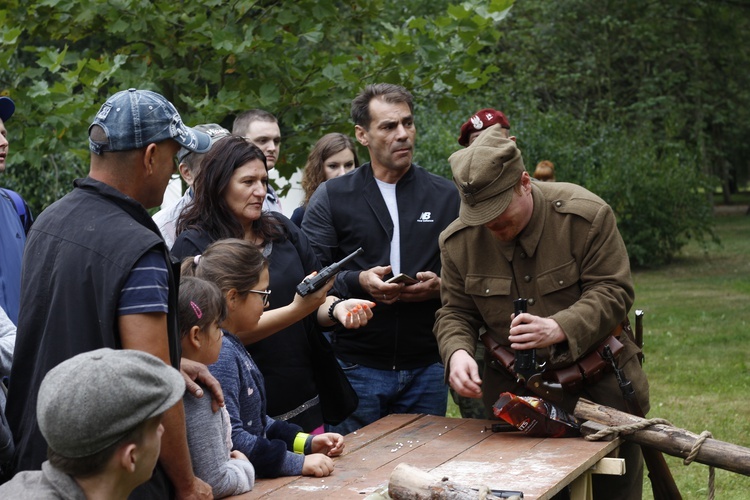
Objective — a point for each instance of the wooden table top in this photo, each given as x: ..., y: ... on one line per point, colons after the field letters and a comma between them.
x: 463, y: 450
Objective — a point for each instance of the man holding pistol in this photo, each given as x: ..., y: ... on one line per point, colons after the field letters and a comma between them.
x: 555, y: 244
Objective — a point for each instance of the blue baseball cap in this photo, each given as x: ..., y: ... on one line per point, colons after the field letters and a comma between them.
x: 133, y: 119
x: 7, y: 108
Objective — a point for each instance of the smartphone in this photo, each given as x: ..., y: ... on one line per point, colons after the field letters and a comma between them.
x: 403, y: 278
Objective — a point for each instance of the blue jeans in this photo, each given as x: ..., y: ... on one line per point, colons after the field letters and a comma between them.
x: 382, y: 392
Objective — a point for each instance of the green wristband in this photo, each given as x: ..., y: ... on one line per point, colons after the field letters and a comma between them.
x: 299, y: 443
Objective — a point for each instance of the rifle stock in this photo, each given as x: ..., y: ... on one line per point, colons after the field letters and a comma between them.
x: 662, y: 482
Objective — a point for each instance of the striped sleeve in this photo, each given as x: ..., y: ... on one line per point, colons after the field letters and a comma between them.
x: 146, y: 289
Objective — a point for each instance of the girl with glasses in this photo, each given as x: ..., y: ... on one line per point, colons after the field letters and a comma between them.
x: 274, y: 447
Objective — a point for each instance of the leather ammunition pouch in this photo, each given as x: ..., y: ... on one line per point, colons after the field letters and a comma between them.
x: 586, y: 371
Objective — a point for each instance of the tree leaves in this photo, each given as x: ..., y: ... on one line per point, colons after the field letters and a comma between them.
x: 645, y: 103
x: 303, y: 61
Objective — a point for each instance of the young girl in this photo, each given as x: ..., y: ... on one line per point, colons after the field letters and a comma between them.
x: 201, y: 309
x: 275, y: 447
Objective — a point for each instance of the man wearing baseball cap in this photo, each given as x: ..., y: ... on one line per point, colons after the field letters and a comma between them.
x: 482, y: 120
x: 96, y: 273
x: 189, y: 167
x: 554, y: 244
x: 101, y: 414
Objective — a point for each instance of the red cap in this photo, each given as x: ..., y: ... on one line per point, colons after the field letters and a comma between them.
x: 481, y: 120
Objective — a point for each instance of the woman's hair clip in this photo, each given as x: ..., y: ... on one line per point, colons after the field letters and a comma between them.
x: 196, y: 259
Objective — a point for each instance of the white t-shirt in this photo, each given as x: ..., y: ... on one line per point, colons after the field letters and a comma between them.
x: 388, y: 191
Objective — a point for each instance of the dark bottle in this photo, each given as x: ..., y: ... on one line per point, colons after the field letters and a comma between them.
x: 536, y: 417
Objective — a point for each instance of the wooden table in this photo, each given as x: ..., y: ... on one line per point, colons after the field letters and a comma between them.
x: 461, y: 449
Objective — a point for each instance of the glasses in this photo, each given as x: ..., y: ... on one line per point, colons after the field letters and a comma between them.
x: 265, y: 293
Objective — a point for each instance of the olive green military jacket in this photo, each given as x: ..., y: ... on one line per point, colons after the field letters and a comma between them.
x: 569, y: 262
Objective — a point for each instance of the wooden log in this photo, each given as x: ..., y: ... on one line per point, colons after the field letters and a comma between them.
x: 669, y: 439
x: 410, y: 483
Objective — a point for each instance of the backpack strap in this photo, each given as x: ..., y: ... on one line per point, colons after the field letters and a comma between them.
x: 24, y: 213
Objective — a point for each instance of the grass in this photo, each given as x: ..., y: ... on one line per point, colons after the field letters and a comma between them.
x: 697, y: 346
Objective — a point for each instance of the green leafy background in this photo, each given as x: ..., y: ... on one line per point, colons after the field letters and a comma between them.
x: 643, y: 102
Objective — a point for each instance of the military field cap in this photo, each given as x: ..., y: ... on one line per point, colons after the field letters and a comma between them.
x: 7, y: 108
x: 213, y: 130
x: 482, y: 119
x: 133, y: 119
x: 94, y: 399
x: 485, y: 174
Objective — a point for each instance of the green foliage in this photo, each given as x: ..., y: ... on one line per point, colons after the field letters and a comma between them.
x: 655, y: 187
x: 437, y: 134
x: 659, y: 197
x: 304, y: 62
x: 642, y: 102
x: 670, y: 69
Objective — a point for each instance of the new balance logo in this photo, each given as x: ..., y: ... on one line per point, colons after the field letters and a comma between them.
x: 425, y: 217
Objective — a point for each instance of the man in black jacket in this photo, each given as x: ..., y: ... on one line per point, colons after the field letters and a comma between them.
x: 395, y: 210
x: 96, y: 273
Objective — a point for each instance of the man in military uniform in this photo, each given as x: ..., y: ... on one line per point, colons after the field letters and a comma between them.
x: 555, y: 244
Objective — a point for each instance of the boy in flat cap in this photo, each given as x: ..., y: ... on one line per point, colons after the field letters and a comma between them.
x: 97, y: 273
x: 555, y: 244
x: 101, y: 414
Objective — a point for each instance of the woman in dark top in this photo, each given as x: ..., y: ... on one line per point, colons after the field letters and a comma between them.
x: 333, y: 155
x: 229, y: 194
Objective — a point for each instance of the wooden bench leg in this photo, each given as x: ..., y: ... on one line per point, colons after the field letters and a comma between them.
x: 582, y: 487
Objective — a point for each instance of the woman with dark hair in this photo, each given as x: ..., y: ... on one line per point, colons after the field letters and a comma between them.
x: 229, y: 194
x: 333, y: 155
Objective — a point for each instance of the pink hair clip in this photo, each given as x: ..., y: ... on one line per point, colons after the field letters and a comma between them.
x: 196, y: 309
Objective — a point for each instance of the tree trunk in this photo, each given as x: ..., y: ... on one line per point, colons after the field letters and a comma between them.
x: 411, y: 483
x: 668, y: 439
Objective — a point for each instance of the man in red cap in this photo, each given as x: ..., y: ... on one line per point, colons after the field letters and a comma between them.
x: 482, y: 119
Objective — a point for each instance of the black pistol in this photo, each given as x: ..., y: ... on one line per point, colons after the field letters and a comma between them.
x: 309, y: 285
x: 525, y: 362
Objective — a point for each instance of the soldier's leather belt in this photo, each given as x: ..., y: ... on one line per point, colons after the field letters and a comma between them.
x: 586, y: 371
